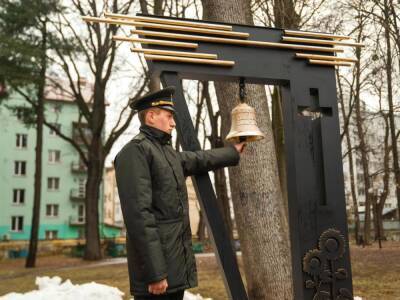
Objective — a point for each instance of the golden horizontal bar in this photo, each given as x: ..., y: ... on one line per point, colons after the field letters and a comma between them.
x: 155, y: 42
x: 223, y: 63
x: 175, y: 53
x: 169, y: 21
x: 317, y: 35
x: 321, y: 42
x: 329, y: 63
x: 212, y: 39
x: 167, y: 27
x: 325, y: 57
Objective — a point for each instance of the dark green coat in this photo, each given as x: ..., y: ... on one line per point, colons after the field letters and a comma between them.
x: 151, y: 185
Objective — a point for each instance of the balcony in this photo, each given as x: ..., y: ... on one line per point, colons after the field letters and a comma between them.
x: 76, y: 221
x: 77, y: 167
x: 77, y: 195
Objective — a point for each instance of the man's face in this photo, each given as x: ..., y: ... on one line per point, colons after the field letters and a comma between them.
x: 161, y: 119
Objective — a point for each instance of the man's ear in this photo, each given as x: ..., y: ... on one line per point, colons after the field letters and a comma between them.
x: 150, y: 116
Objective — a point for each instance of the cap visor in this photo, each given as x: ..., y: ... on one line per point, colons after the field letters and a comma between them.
x: 167, y: 107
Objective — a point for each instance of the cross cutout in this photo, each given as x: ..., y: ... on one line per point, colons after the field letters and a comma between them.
x: 314, y: 111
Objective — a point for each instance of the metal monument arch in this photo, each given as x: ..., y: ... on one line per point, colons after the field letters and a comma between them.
x: 303, y: 65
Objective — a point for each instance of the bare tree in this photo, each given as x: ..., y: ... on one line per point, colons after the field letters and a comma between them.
x: 268, y: 276
x: 99, y: 53
x: 350, y: 152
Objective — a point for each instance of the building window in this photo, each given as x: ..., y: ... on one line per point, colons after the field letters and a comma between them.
x: 53, y: 183
x: 22, y: 141
x: 361, y: 191
x: 52, y: 210
x: 81, y: 213
x: 18, y: 196
x: 17, y: 223
x: 361, y: 203
x: 51, y: 234
x: 388, y: 205
x: 20, y: 113
x: 360, y: 177
x: 57, y: 126
x: 56, y: 108
x: 20, y: 168
x: 54, y: 156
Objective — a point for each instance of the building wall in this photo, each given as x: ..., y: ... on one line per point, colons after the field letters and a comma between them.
x: 375, y: 132
x: 63, y: 113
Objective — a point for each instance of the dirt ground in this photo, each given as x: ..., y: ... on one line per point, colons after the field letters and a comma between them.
x: 376, y: 273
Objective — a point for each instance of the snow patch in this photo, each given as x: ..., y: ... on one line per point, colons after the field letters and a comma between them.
x: 53, y: 289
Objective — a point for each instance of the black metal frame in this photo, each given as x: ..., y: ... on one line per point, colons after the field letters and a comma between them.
x: 312, y: 146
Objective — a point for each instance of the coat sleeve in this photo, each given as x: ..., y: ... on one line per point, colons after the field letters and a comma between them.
x: 202, y: 161
x: 135, y: 192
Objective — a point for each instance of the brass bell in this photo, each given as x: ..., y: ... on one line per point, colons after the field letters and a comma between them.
x: 244, y: 126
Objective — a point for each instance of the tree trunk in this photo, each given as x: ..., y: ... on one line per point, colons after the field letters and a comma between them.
x: 279, y: 138
x: 33, y: 241
x: 389, y: 70
x: 95, y: 174
x: 258, y: 204
x: 93, y: 183
x: 285, y: 16
x: 219, y: 175
x: 362, y: 145
x: 201, y: 231
x: 379, y: 231
x: 223, y: 199
x: 351, y: 166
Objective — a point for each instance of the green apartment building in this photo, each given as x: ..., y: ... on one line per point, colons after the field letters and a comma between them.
x: 62, y: 213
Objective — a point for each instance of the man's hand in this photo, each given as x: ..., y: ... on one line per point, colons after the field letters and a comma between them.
x: 240, y: 147
x: 158, y: 288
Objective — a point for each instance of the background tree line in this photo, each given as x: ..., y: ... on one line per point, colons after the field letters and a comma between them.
x: 56, y: 41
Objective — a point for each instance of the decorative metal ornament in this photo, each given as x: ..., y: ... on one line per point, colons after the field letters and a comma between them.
x: 244, y: 126
x: 320, y: 265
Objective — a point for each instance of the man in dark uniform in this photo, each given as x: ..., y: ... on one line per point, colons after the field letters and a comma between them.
x: 151, y: 184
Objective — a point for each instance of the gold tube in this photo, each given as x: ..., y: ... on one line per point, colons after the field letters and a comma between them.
x: 223, y: 63
x: 169, y: 21
x: 155, y: 42
x: 167, y: 27
x: 322, y: 42
x: 325, y: 57
x: 212, y: 39
x: 175, y: 53
x: 329, y: 63
x: 316, y: 34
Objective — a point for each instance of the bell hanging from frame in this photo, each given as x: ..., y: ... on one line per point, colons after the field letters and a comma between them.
x: 244, y: 126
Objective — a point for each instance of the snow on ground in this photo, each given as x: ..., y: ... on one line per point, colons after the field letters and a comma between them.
x: 53, y: 289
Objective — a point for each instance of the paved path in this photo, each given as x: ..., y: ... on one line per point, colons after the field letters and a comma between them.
x: 123, y: 260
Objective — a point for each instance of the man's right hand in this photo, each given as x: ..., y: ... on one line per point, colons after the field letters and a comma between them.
x: 240, y: 147
x: 158, y: 288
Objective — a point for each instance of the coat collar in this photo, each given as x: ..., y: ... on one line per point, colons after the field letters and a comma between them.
x: 157, y: 134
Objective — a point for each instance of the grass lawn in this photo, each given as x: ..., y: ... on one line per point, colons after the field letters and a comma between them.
x: 376, y: 273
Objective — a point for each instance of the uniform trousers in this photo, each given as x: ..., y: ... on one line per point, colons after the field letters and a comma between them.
x: 173, y: 296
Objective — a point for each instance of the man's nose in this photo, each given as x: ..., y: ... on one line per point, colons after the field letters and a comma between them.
x: 173, y: 124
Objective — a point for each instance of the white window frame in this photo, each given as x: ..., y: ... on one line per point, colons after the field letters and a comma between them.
x: 51, y: 234
x: 19, y: 166
x: 54, y: 156
x: 18, y: 224
x: 53, y: 183
x: 18, y: 197
x: 52, y: 210
x: 21, y: 141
